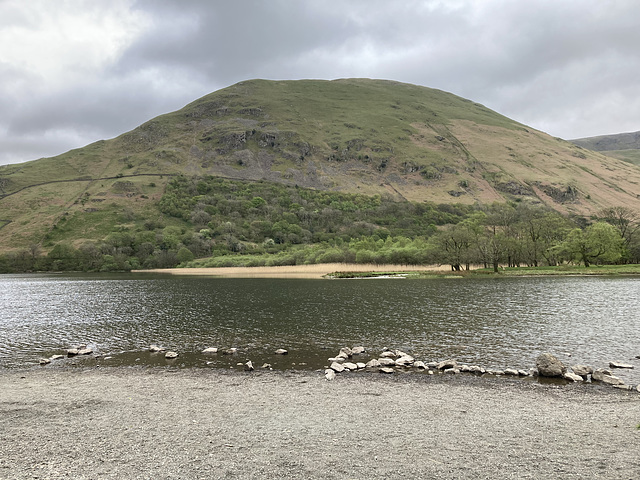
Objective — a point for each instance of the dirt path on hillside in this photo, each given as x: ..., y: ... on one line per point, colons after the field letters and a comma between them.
x: 177, y: 424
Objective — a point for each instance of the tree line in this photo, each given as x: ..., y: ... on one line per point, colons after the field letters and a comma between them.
x: 209, y: 221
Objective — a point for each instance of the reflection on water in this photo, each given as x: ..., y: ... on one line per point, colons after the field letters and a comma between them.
x: 497, y: 323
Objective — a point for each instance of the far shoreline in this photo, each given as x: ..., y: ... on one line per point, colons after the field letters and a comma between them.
x: 355, y: 270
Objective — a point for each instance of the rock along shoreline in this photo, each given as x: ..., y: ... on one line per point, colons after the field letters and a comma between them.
x: 390, y: 361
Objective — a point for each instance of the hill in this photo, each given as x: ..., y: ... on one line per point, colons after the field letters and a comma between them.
x: 369, y: 137
x: 623, y: 146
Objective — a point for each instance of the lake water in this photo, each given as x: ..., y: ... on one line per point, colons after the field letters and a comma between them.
x: 496, y: 323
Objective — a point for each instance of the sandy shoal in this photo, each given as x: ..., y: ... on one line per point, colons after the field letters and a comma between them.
x: 294, y: 271
x: 173, y: 424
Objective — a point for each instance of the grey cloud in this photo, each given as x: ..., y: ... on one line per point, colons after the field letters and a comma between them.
x: 569, y: 68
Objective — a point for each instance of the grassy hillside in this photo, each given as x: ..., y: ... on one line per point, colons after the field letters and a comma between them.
x: 361, y: 136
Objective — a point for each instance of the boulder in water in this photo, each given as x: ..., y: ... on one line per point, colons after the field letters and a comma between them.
x: 549, y: 366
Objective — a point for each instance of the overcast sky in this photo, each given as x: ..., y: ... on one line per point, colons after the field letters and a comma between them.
x: 76, y: 71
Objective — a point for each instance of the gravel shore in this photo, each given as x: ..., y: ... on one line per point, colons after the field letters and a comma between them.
x: 129, y: 423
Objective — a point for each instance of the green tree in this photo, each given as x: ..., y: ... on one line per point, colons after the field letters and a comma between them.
x: 627, y: 222
x: 184, y: 255
x: 453, y: 244
x: 599, y: 242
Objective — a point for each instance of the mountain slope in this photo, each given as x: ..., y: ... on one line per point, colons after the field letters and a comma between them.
x: 354, y: 135
x: 623, y: 146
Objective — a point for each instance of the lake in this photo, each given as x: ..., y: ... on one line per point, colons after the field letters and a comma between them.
x: 493, y: 322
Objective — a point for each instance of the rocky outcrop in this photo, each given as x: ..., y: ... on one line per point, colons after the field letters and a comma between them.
x: 549, y: 366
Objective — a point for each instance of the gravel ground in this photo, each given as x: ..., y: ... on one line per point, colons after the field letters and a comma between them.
x: 167, y: 424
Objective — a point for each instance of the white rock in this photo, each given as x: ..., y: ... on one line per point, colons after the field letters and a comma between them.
x: 171, y: 355
x: 430, y: 372
x: 600, y: 373
x: 342, y: 355
x: 156, y: 348
x: 573, y: 377
x: 361, y: 365
x: 347, y: 351
x: 44, y: 361
x: 465, y: 368
x: 620, y: 365
x: 329, y: 374
x: 388, y: 354
x: 72, y: 352
x: 623, y: 387
x: 56, y: 357
x: 281, y: 351
x: 405, y: 361
x: 419, y: 364
x: 85, y: 351
x: 357, y: 350
x: 523, y: 373
x: 386, y: 362
x: 248, y: 367
x: 210, y: 350
x: 611, y: 380
x: 373, y: 364
x: 350, y: 366
x: 266, y: 365
x: 447, y: 364
x: 451, y: 370
x: 476, y: 369
x: 400, y: 353
x: 337, y: 359
x: 386, y: 370
x: 511, y: 371
x: 582, y: 370
x: 337, y: 367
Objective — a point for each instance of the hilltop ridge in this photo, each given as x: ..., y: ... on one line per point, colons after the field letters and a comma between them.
x: 372, y: 137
